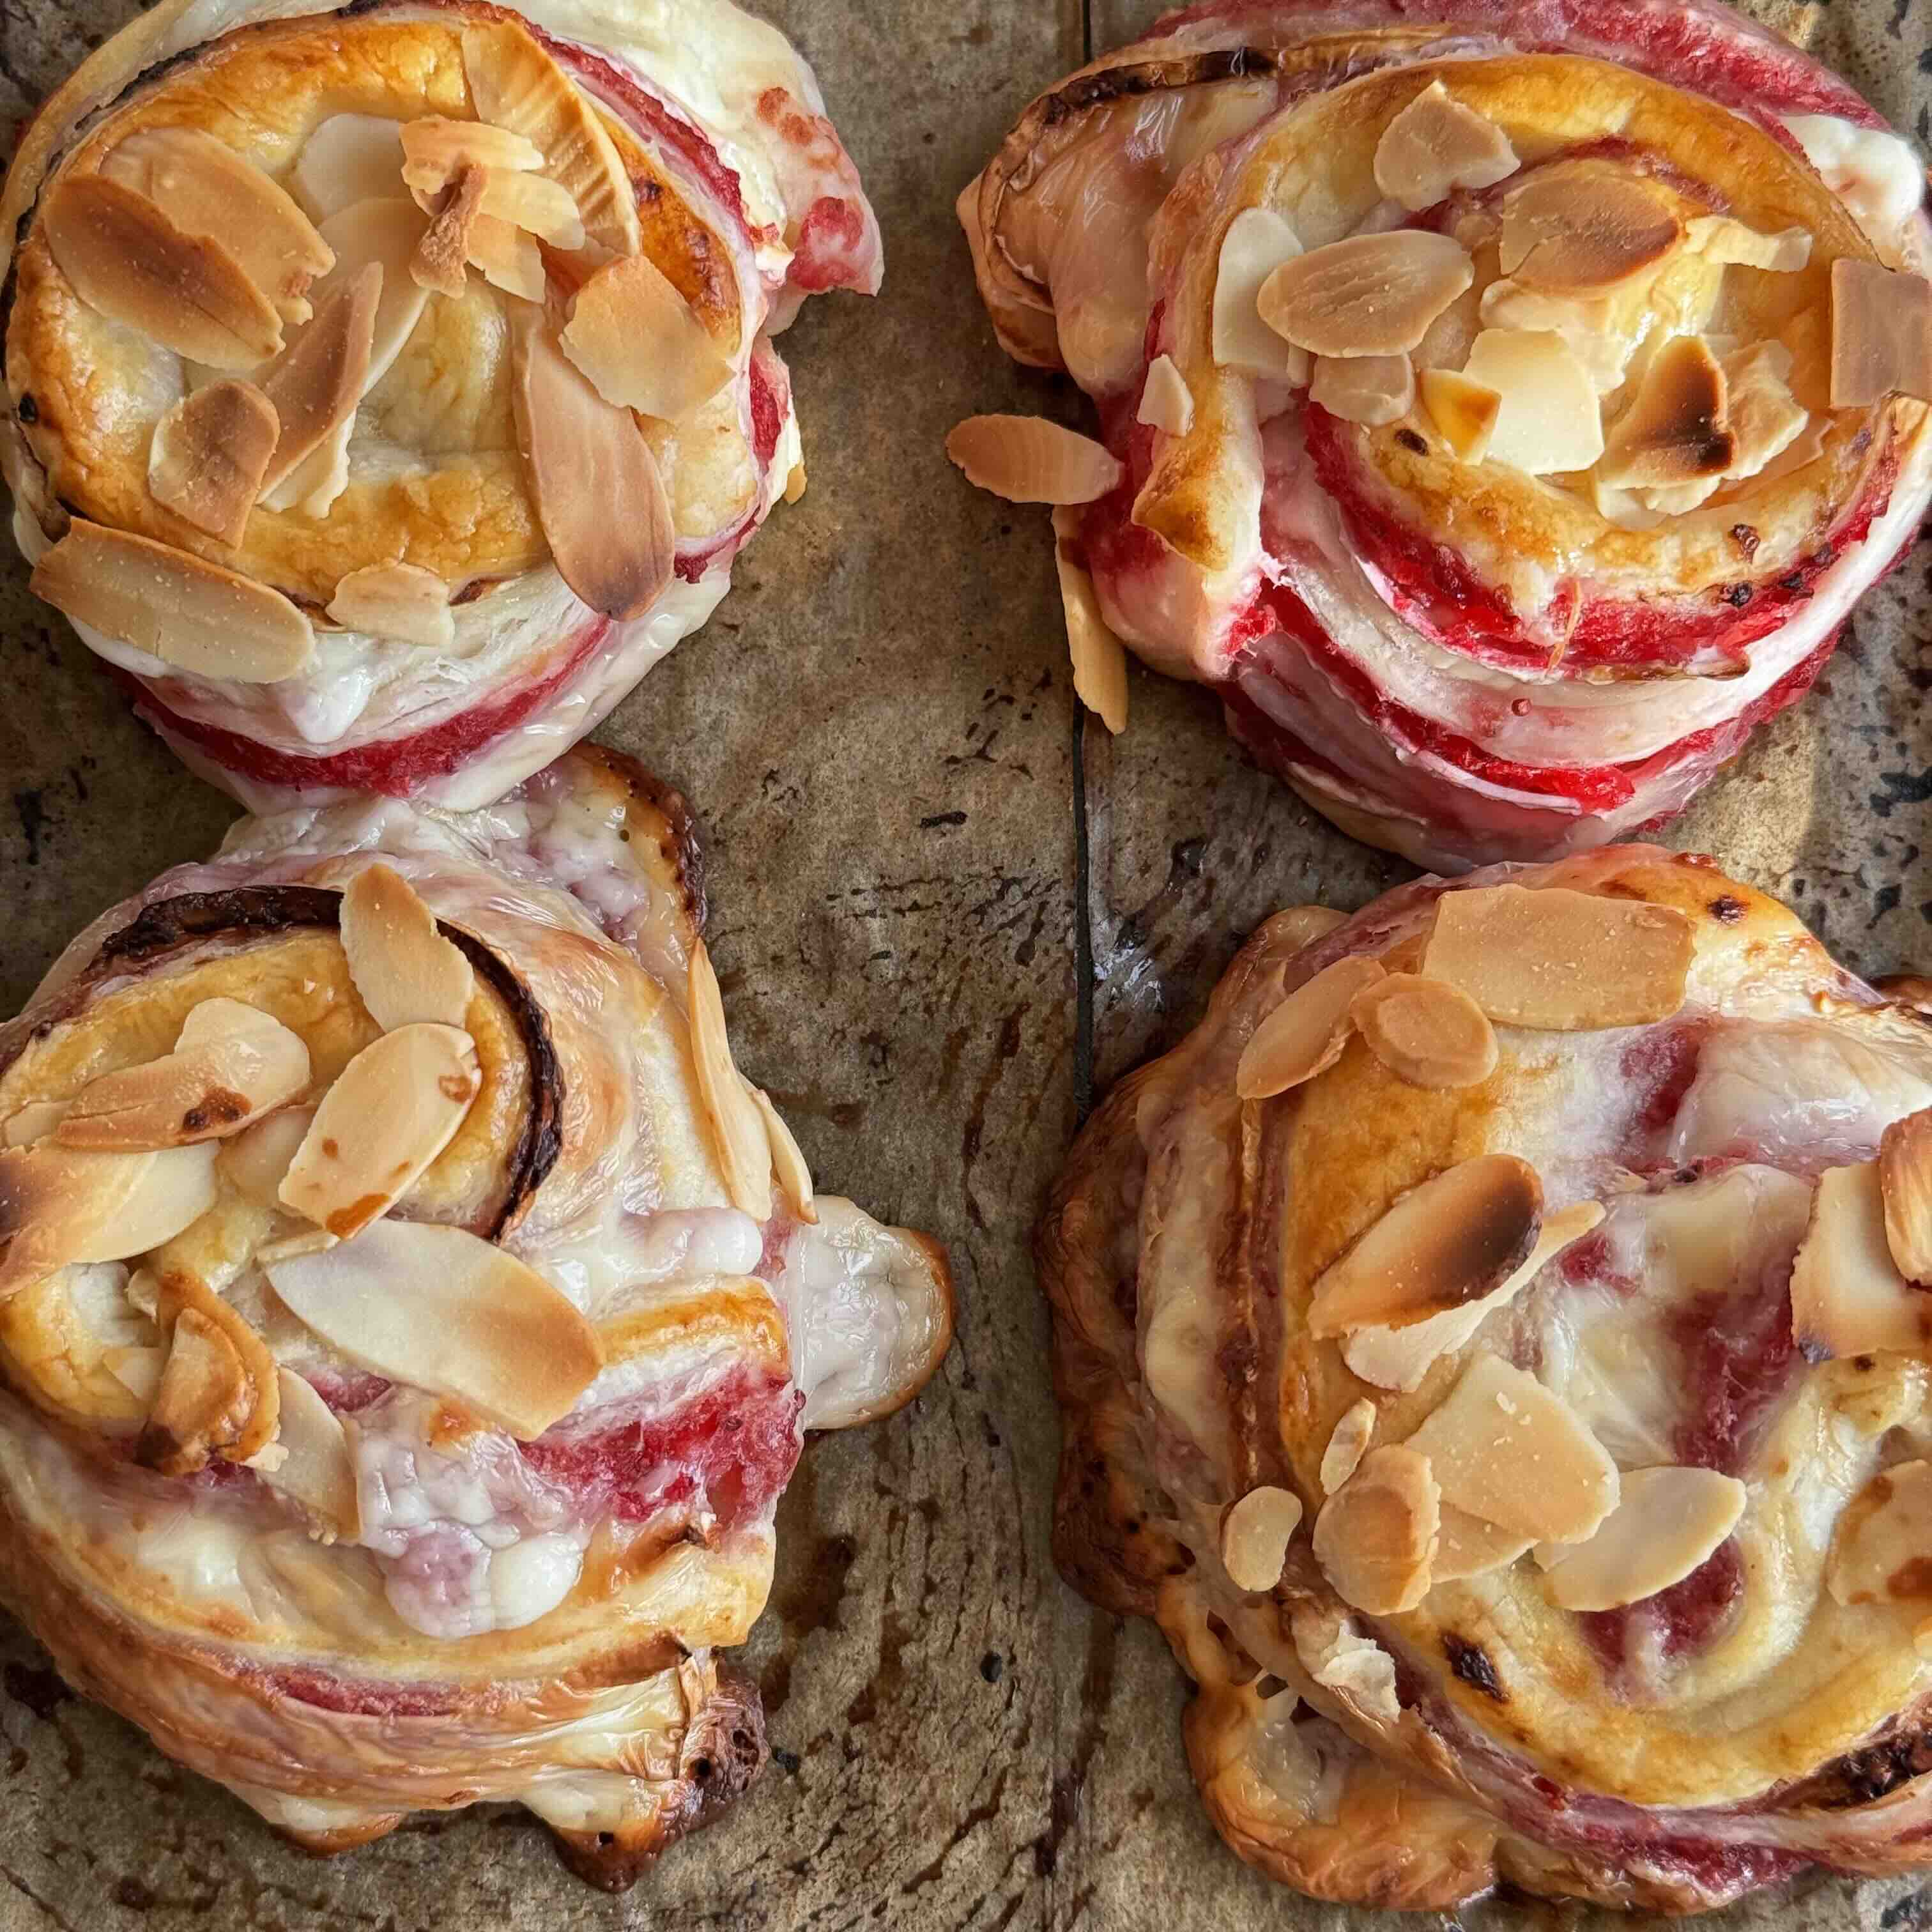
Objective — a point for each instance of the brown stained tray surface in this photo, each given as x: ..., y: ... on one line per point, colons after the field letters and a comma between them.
x: 914, y: 849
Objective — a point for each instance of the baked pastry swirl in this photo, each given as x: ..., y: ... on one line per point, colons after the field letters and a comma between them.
x: 1502, y: 405
x: 1493, y: 1345
x: 409, y: 1318
x: 388, y: 388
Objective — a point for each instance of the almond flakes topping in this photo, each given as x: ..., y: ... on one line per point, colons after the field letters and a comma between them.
x: 402, y: 601
x: 315, y: 1470
x: 1347, y: 1443
x: 1548, y: 418
x: 1099, y: 658
x: 1375, y: 1536
x: 320, y: 378
x: 1667, y: 1522
x: 404, y: 970
x: 636, y: 338
x: 437, y: 150
x: 1676, y: 429
x: 1304, y: 1036
x: 209, y: 454
x: 1255, y: 1534
x: 1464, y: 412
x: 1167, y: 403
x: 1468, y: 1546
x: 1565, y: 961
x: 59, y: 1205
x: 1028, y: 460
x: 348, y: 158
x: 1370, y: 295
x: 1881, y: 334
x: 738, y: 1132
x: 1425, y: 1033
x: 1881, y: 1551
x: 441, y: 262
x: 1847, y: 1295
x: 255, y: 1160
x: 788, y: 1163
x: 1436, y: 146
x: 1258, y: 241
x: 1580, y: 227
x: 1905, y: 1182
x: 1721, y: 239
x: 508, y: 259
x: 204, y: 1401
x: 1372, y: 390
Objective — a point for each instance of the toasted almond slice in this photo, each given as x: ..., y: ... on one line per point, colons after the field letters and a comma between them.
x: 1676, y: 429
x: 508, y: 259
x: 1592, y: 327
x: 402, y: 601
x: 442, y: 257
x: 1258, y: 241
x: 138, y: 1370
x: 1398, y: 1358
x: 208, y: 190
x: 440, y: 149
x: 599, y: 497
x: 320, y: 377
x: 1468, y: 1546
x: 440, y: 1309
x: 254, y: 1161
x: 286, y: 1247
x: 1375, y: 1536
x: 1506, y: 1449
x: 386, y: 231
x: 1882, y: 1552
x: 794, y: 1177
x: 191, y: 613
x: 1881, y: 334
x: 1255, y: 1534
x: 316, y: 1471
x: 1339, y: 1657
x: 59, y: 1205
x: 738, y: 1131
x: 1667, y: 1522
x: 1451, y: 1241
x: 208, y: 456
x: 1347, y: 1443
x: 1436, y: 146
x: 237, y: 1065
x: 349, y: 158
x: 1766, y: 418
x: 391, y: 1111
x: 1848, y: 1297
x: 1580, y: 227
x: 1304, y: 1036
x: 35, y: 1121
x: 1424, y: 1032
x: 1099, y: 658
x: 1549, y: 418
x: 535, y: 204
x: 1167, y: 403
x: 1721, y: 239
x: 127, y: 259
x: 636, y: 338
x: 1565, y: 961
x: 1905, y: 1181
x: 516, y: 85
x: 1626, y: 509
x: 404, y: 969
x: 1371, y: 295
x: 204, y: 1401
x: 1464, y: 412
x: 1028, y: 460
x: 1376, y: 390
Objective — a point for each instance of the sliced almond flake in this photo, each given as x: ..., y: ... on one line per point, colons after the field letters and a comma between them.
x: 1766, y: 418
x: 1881, y: 1551
x: 286, y: 1247
x: 738, y: 1132
x: 1099, y: 658
x: 204, y: 1401
x: 1676, y: 429
x: 1347, y: 1443
x: 1848, y: 1297
x: 794, y: 1177
x: 1436, y: 146
x: 1905, y: 1182
x: 316, y: 1471
x: 1028, y: 460
x: 1373, y: 390
x: 1668, y: 1521
x: 598, y: 495
x: 59, y: 1205
x: 1720, y: 239
x: 348, y: 158
x: 1678, y: 499
x: 441, y: 261
x: 1581, y: 227
x: 441, y: 1310
x: 319, y: 379
x: 439, y: 149
x: 1425, y: 1032
x: 403, y: 968
x: 1255, y: 1534
x: 1400, y: 1358
x: 138, y: 1370
x: 1563, y: 961
x: 191, y: 613
x: 1375, y: 1536
x: 1592, y: 328
x: 508, y: 259
x: 1548, y: 418
x: 1258, y: 241
x: 254, y: 1161
x: 1464, y: 412
x: 1506, y: 1449
x: 1167, y: 403
x: 1304, y: 1036
x: 401, y: 601
x: 208, y: 456
x: 1370, y: 295
x: 236, y: 1066
x: 127, y: 259
x: 638, y: 341
x: 516, y: 85
x: 1339, y: 1657
x: 1881, y: 334
x: 1468, y: 1546
x: 533, y: 203
x: 1452, y: 1240
x: 1626, y: 509
x: 208, y: 190
x: 35, y: 1121
x: 391, y: 1111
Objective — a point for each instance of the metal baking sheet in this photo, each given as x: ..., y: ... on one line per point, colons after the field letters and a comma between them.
x: 946, y: 916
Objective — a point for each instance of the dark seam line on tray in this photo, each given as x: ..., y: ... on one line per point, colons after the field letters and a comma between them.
x: 1083, y: 929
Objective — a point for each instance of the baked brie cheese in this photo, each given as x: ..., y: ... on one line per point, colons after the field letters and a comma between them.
x: 410, y: 1317
x: 1501, y: 407
x: 1494, y: 1345
x: 389, y: 387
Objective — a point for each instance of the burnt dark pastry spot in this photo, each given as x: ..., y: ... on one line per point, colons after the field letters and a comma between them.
x: 28, y: 410
x: 1410, y: 441
x: 1746, y: 539
x: 1472, y: 1664
x: 1738, y: 595
x: 1726, y: 909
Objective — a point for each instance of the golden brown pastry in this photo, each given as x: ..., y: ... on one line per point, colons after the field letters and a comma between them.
x: 1494, y: 1345
x: 410, y: 1317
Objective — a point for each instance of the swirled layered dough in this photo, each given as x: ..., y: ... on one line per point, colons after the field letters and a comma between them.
x: 410, y: 1317
x: 1494, y: 1346
x: 390, y: 388
x: 1502, y: 407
